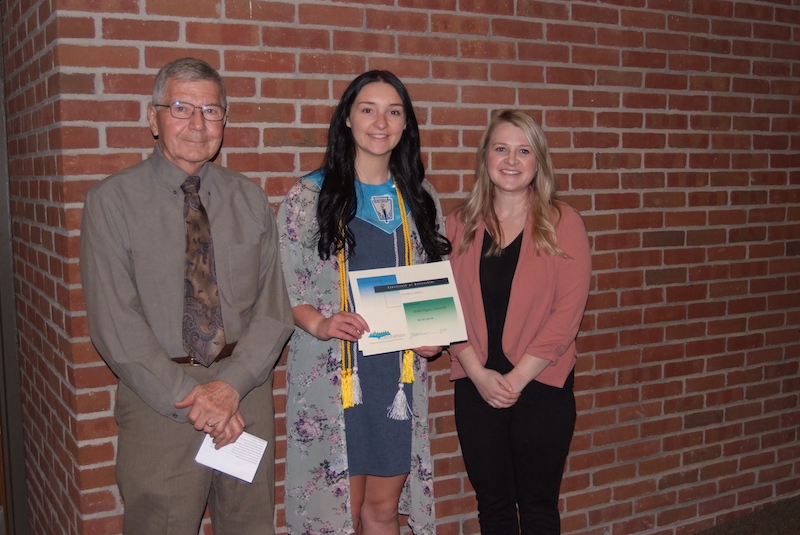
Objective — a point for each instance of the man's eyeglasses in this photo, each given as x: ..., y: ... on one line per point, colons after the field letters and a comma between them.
x: 184, y: 110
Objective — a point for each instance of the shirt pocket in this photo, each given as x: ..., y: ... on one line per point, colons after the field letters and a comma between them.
x: 244, y: 269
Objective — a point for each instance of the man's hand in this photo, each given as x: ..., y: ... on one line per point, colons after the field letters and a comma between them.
x: 215, y: 410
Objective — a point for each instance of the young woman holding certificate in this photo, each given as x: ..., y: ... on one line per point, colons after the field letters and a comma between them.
x: 522, y: 267
x: 357, y: 427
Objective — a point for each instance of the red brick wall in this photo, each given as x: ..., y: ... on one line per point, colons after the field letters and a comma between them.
x: 674, y: 126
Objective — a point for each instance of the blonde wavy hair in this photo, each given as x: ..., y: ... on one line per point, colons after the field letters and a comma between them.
x: 544, y: 211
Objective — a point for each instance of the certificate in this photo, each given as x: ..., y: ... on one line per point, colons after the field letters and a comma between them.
x: 407, y: 307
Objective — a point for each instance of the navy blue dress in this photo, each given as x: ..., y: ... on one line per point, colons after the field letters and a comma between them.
x: 376, y: 444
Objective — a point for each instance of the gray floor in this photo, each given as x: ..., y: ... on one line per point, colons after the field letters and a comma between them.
x: 782, y: 518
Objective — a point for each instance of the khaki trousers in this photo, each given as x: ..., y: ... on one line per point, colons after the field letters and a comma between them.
x: 165, y: 491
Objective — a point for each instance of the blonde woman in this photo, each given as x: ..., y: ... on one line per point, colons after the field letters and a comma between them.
x: 522, y: 266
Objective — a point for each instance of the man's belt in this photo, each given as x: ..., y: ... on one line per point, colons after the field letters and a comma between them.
x: 223, y: 354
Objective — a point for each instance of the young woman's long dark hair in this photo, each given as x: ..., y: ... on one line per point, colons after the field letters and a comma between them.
x: 337, y: 199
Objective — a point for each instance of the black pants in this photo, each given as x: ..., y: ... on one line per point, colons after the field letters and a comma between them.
x: 515, y: 457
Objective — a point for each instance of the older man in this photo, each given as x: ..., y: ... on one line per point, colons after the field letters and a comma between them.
x: 187, y: 305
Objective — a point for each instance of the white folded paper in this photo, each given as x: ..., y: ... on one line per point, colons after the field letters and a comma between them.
x: 240, y: 459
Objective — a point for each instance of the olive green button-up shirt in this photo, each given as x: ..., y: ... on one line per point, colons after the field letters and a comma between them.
x: 132, y: 268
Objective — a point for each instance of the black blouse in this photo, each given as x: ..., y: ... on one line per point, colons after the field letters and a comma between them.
x: 496, y: 275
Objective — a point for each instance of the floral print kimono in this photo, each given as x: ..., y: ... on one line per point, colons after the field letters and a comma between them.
x: 317, y: 486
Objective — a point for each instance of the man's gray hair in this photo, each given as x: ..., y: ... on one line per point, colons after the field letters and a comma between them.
x: 187, y: 70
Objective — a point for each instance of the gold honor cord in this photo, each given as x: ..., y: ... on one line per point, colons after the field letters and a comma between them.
x: 347, y: 347
x: 407, y: 370
x: 351, y: 386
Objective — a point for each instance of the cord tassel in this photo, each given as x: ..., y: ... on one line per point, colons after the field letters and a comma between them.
x: 358, y: 397
x: 399, y: 409
x: 407, y: 370
x: 347, y: 388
